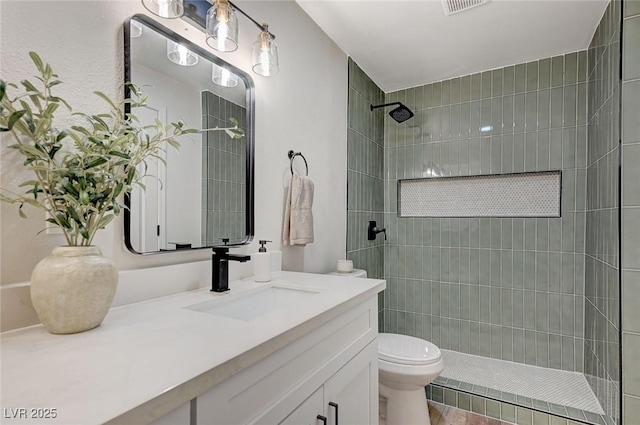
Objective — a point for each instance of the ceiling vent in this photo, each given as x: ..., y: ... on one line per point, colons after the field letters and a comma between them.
x: 457, y: 6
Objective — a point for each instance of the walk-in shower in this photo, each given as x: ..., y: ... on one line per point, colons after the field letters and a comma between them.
x: 526, y: 309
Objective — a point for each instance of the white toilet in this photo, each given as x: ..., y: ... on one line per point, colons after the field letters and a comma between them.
x: 406, y: 365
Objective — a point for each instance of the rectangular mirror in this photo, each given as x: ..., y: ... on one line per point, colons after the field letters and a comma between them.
x: 201, y: 195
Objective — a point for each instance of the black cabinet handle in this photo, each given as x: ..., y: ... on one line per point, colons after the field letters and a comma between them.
x: 332, y: 404
x: 322, y: 418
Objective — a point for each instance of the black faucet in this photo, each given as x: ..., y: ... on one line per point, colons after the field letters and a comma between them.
x: 220, y: 267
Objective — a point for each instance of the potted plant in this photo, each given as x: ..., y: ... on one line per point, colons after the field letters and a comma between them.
x: 80, y: 174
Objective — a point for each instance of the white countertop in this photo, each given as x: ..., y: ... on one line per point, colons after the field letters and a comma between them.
x: 150, y: 357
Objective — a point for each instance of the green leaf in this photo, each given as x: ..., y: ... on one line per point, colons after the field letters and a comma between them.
x: 51, y: 108
x: 42, y: 126
x: 61, y: 136
x: 54, y: 149
x: 74, y: 214
x: 62, y: 220
x: 119, y: 154
x: 81, y: 129
x: 25, y: 106
x: 94, y: 163
x: 84, y: 197
x: 37, y: 61
x: 84, y: 232
x: 72, y: 190
x: 105, y: 220
x: 3, y: 88
x: 34, y: 99
x: 106, y: 99
x: 132, y: 88
x: 15, y: 117
x: 61, y: 100
x: 29, y: 86
x: 100, y: 121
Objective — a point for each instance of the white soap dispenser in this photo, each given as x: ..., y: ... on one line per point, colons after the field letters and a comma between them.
x: 262, y: 263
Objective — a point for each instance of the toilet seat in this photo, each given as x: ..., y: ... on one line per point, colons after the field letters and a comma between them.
x: 407, y: 350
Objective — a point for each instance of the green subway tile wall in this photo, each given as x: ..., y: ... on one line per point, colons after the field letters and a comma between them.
x: 631, y: 211
x: 506, y: 288
x: 602, y: 282
x: 365, y: 185
x: 224, y: 204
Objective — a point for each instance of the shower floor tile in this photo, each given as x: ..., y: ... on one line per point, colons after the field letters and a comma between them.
x: 569, y: 389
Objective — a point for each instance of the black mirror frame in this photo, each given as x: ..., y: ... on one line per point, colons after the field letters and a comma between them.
x: 249, y: 131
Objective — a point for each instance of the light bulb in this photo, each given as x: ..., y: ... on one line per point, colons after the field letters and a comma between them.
x: 183, y: 53
x: 222, y: 27
x: 169, y: 9
x: 265, y: 54
x: 163, y: 7
x: 180, y: 55
x: 223, y: 77
x: 223, y: 35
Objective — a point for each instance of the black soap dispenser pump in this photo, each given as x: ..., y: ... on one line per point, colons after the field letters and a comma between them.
x: 262, y: 263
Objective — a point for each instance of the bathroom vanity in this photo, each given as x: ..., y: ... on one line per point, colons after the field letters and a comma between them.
x: 298, y: 349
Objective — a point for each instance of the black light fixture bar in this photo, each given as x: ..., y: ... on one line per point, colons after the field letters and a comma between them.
x: 259, y: 25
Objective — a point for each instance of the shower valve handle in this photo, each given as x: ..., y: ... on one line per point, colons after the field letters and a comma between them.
x: 373, y: 231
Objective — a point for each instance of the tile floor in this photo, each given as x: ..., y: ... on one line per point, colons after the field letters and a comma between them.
x: 550, y: 385
x: 441, y: 414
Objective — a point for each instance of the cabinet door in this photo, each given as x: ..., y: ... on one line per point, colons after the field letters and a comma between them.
x: 307, y: 413
x: 354, y: 390
x: 179, y: 416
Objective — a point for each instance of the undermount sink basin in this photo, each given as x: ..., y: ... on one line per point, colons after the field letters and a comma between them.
x: 253, y: 304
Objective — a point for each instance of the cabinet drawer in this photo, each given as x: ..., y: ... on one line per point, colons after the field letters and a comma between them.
x: 289, y: 376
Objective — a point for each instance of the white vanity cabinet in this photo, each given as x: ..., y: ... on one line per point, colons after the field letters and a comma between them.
x: 179, y: 416
x: 348, y: 397
x: 192, y: 367
x: 336, y: 363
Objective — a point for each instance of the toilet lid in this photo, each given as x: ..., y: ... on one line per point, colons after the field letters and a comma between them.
x: 404, y: 349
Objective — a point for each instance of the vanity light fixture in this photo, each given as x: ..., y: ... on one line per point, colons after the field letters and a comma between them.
x: 222, y: 31
x: 180, y: 55
x: 169, y: 9
x: 223, y: 77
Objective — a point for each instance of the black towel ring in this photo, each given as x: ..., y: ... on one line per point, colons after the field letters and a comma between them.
x: 292, y: 155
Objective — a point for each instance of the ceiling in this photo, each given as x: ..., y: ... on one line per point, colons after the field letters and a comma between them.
x: 407, y: 43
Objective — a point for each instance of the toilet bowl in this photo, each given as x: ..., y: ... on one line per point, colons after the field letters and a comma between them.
x: 406, y: 365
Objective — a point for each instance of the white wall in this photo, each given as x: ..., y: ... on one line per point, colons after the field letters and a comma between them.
x: 302, y: 108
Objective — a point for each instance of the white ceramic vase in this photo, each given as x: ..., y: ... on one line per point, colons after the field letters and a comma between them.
x: 73, y: 288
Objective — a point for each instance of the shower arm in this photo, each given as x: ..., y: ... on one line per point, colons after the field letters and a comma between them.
x: 372, y: 107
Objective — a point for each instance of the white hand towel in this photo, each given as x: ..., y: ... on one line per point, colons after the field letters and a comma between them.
x: 298, y: 217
